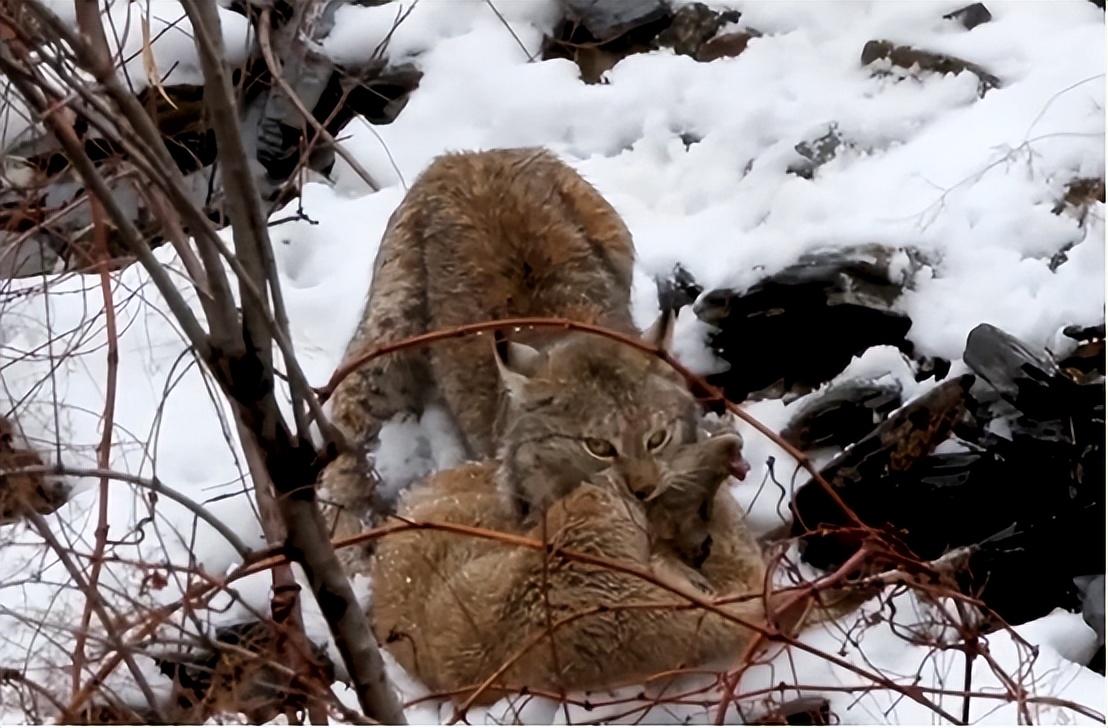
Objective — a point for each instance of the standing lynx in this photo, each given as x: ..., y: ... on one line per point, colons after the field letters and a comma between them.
x: 479, y: 236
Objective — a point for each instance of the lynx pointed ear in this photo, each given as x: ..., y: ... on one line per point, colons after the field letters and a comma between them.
x: 515, y: 362
x: 660, y: 333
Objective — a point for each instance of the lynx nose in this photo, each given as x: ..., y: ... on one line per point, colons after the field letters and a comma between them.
x: 642, y: 479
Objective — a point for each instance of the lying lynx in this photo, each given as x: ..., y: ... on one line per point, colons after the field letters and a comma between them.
x: 453, y: 608
x: 491, y: 235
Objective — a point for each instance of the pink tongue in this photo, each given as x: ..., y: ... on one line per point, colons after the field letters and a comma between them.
x: 740, y: 467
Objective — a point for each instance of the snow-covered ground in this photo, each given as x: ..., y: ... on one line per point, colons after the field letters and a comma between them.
x: 969, y: 181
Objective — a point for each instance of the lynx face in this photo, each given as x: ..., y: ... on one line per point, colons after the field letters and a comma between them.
x: 586, y: 405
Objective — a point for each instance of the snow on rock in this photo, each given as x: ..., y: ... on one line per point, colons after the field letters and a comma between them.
x: 170, y: 38
x: 968, y: 181
x: 132, y: 27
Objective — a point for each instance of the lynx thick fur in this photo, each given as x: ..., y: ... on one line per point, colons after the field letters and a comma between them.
x: 479, y: 236
x: 453, y: 608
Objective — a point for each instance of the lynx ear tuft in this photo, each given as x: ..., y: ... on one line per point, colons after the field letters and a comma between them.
x: 660, y: 333
x: 515, y: 362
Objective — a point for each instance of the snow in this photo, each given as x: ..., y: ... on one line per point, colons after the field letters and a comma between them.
x: 968, y: 181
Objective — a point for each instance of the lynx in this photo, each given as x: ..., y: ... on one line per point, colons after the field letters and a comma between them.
x: 479, y: 236
x: 586, y: 404
x: 453, y: 608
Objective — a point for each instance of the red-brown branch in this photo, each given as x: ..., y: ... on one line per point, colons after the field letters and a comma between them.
x: 88, y: 19
x: 104, y: 448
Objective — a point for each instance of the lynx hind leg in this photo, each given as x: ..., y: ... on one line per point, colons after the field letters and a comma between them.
x: 453, y: 610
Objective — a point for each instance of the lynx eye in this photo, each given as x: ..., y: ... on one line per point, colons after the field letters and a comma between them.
x: 657, y: 440
x: 600, y: 448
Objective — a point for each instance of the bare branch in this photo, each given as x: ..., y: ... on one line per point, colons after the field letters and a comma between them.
x: 103, y: 450
x: 250, y: 384
x: 93, y: 596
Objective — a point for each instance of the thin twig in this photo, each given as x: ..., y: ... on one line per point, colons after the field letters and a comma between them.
x: 294, y: 99
x: 511, y: 30
x: 107, y: 423
x: 93, y: 596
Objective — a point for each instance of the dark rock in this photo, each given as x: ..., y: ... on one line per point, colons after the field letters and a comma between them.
x: 801, y: 711
x: 842, y: 414
x: 381, y: 96
x: 932, y: 367
x: 678, y: 290
x: 594, y: 54
x: 1086, y: 363
x: 1028, y: 380
x: 688, y: 138
x: 692, y: 26
x: 377, y: 92
x: 1055, y: 415
x: 1055, y: 497
x: 727, y: 45
x: 1084, y: 333
x: 1097, y: 663
x: 807, y: 321
x: 872, y: 475
x: 1060, y: 257
x: 816, y: 153
x: 906, y: 57
x: 970, y: 16
x: 277, y: 139
x: 1091, y: 589
x: 1080, y: 195
x: 1030, y: 504
x: 605, y: 19
x: 598, y: 34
